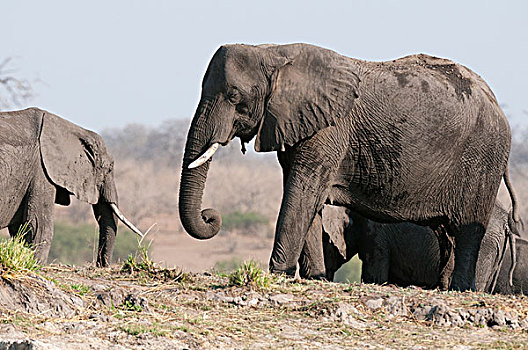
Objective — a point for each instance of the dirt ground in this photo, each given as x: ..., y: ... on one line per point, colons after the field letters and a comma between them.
x: 192, y: 255
x: 80, y: 308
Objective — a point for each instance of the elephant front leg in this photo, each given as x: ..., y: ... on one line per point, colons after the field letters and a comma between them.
x: 305, y: 191
x: 39, y: 214
x: 312, y: 260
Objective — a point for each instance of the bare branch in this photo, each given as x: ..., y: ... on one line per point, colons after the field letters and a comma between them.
x: 13, y: 91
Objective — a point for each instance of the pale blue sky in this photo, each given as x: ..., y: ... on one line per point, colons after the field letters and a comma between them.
x: 110, y: 63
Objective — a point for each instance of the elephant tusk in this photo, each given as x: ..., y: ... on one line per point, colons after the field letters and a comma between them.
x: 205, y: 156
x: 125, y: 220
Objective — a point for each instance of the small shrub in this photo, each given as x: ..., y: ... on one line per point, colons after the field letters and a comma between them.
x: 15, y: 255
x: 141, y: 263
x: 82, y: 289
x: 249, y: 274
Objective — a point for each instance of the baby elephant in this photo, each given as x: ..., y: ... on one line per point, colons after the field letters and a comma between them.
x: 408, y: 254
x: 520, y: 273
x: 43, y: 160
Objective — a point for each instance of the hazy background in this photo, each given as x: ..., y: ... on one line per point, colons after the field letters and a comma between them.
x: 132, y: 70
x: 108, y: 63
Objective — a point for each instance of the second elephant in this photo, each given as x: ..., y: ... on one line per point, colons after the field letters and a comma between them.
x: 408, y: 254
x: 43, y: 160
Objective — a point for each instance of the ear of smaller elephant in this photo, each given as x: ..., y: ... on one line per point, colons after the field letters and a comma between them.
x: 68, y: 157
x: 335, y: 220
x: 307, y: 95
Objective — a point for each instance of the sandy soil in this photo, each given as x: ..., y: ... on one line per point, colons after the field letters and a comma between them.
x: 179, y: 249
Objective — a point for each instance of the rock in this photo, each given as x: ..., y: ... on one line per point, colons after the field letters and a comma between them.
x: 395, y: 306
x: 499, y: 318
x: 421, y: 312
x: 34, y: 294
x: 219, y: 297
x: 253, y: 302
x: 112, y: 297
x: 98, y: 317
x: 374, y: 304
x: 26, y: 345
x: 239, y: 301
x: 344, y: 311
x: 482, y: 316
x: 281, y: 299
x: 132, y: 301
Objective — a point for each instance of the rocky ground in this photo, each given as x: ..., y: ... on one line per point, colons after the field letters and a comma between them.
x: 86, y: 308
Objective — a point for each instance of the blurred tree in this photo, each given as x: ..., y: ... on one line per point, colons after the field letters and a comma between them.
x: 13, y: 91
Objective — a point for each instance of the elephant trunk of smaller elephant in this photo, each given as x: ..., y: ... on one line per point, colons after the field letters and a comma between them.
x: 107, y: 215
x: 107, y: 232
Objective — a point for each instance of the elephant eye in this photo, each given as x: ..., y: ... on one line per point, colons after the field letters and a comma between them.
x: 234, y: 97
x: 242, y: 108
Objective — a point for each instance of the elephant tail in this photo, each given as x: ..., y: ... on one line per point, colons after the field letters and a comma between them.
x: 513, y: 197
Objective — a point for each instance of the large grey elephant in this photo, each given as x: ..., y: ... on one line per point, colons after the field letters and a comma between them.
x: 419, y: 139
x: 408, y: 254
x: 43, y: 160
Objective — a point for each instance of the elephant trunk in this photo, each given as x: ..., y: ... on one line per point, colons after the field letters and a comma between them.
x: 107, y: 232
x: 200, y: 224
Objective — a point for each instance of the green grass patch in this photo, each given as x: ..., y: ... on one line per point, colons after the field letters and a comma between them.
x: 77, y: 244
x: 15, y: 255
x: 249, y: 273
x: 81, y: 289
x: 140, y: 261
x: 243, y: 221
x: 349, y: 272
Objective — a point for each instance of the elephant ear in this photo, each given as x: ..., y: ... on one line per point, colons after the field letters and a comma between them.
x: 69, y: 156
x: 307, y: 94
x: 335, y: 222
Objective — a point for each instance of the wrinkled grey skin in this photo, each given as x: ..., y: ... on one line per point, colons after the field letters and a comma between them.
x: 520, y: 274
x: 43, y: 160
x: 417, y: 139
x: 408, y: 254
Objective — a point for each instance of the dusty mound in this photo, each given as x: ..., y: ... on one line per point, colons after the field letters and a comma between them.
x: 33, y: 294
x: 72, y: 307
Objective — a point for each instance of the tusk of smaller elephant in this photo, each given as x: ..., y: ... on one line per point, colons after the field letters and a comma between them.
x: 205, y: 156
x: 125, y: 220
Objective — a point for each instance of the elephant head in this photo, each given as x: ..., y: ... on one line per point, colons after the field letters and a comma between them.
x: 76, y: 161
x: 280, y: 94
x: 343, y: 232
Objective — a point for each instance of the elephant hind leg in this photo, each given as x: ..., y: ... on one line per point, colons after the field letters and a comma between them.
x: 467, y: 244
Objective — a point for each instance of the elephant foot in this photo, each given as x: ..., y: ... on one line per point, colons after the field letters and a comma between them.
x: 462, y: 285
x: 320, y: 277
x: 278, y: 269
